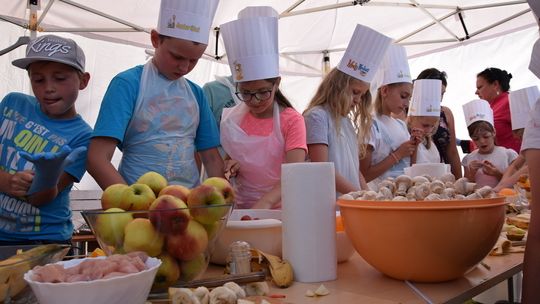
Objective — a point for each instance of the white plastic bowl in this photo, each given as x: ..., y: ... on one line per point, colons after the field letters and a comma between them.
x: 434, y: 170
x: 132, y: 288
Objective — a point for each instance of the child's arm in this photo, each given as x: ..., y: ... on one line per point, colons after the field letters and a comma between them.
x: 272, y: 198
x: 319, y: 153
x: 16, y: 184
x: 371, y: 172
x: 41, y: 197
x: 213, y: 163
x: 490, y: 169
x: 470, y: 170
x: 512, y: 173
x: 98, y: 164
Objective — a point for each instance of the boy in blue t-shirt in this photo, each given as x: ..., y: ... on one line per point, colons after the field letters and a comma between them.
x: 156, y: 117
x: 42, y: 144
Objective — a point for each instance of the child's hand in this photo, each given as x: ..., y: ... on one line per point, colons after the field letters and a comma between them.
x: 406, y: 149
x: 19, y: 183
x: 417, y: 135
x: 475, y: 165
x: 231, y: 168
x: 490, y: 169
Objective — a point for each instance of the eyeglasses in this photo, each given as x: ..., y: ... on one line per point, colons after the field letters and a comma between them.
x: 260, y: 96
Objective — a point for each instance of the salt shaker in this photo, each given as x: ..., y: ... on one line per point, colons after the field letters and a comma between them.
x: 239, y: 257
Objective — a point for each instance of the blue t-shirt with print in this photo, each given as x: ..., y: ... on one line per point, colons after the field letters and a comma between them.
x: 24, y: 127
x: 119, y: 105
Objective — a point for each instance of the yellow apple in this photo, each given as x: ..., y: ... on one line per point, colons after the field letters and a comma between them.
x: 168, y: 272
x: 140, y: 235
x: 207, y: 204
x: 154, y: 180
x: 137, y: 197
x: 109, y: 226
x: 187, y: 245
x: 169, y: 214
x: 112, y: 196
x: 223, y: 186
x: 191, y: 269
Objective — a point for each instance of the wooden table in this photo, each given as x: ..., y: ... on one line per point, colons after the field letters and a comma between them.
x: 358, y: 282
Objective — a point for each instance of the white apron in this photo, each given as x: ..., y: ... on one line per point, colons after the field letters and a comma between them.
x: 427, y: 156
x: 161, y: 134
x: 260, y: 157
x: 390, y: 138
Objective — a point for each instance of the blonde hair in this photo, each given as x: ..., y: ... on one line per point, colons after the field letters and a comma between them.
x: 428, y: 136
x: 334, y: 94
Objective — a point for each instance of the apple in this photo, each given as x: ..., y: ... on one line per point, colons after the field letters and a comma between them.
x: 137, y: 197
x: 154, y: 180
x: 212, y: 229
x: 112, y: 196
x: 176, y: 190
x: 110, y: 226
x: 187, y: 245
x: 168, y: 272
x: 204, y: 201
x: 223, y: 186
x: 140, y: 235
x: 169, y: 214
x: 191, y: 269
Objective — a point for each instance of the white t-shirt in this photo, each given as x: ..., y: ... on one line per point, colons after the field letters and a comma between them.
x: 531, y: 137
x: 501, y: 158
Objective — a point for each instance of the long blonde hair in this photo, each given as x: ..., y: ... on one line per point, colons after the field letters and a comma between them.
x: 334, y: 94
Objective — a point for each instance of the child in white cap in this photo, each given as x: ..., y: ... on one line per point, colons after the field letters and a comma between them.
x: 522, y: 101
x: 389, y: 144
x: 423, y: 118
x: 155, y: 116
x: 340, y: 109
x: 486, y: 164
x: 530, y: 148
x: 264, y: 130
x: 43, y: 142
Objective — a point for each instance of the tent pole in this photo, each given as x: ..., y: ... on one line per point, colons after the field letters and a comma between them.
x: 425, y: 27
x: 45, y: 11
x: 466, y: 8
x: 425, y: 11
x: 293, y: 6
x: 500, y: 22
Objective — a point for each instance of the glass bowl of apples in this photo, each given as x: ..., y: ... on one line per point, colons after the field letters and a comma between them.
x: 179, y: 226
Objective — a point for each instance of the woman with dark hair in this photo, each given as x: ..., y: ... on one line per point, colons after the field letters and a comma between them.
x: 493, y: 84
x: 445, y: 136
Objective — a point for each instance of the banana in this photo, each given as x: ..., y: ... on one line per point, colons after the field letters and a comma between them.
x: 222, y: 295
x: 281, y: 270
x: 203, y: 294
x: 182, y: 296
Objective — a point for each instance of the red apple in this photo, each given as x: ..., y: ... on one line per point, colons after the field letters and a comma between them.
x: 137, y: 197
x: 176, y: 190
x: 112, y: 196
x: 204, y: 202
x: 223, y: 186
x: 154, y: 180
x: 169, y: 214
x: 189, y: 244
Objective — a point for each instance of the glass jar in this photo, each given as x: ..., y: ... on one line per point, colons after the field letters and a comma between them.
x: 239, y: 257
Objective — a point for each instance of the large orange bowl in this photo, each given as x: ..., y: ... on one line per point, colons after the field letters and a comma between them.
x: 423, y: 241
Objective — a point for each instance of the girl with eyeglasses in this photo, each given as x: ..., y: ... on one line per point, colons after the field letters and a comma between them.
x: 264, y: 130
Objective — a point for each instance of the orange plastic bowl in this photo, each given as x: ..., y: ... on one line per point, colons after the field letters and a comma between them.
x: 423, y: 241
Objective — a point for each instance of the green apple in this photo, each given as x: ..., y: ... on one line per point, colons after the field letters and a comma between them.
x: 112, y: 196
x: 137, y: 197
x: 140, y: 235
x: 191, y: 269
x: 204, y: 202
x: 169, y: 214
x: 109, y: 226
x: 154, y: 180
x: 212, y: 229
x: 168, y: 272
x: 187, y: 245
x: 176, y: 190
x: 223, y: 186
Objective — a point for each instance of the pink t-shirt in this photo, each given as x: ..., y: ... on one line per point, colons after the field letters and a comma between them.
x: 293, y: 128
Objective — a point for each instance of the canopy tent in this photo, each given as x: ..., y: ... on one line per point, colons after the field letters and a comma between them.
x: 460, y: 37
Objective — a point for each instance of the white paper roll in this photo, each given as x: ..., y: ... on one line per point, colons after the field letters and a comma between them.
x: 308, y: 196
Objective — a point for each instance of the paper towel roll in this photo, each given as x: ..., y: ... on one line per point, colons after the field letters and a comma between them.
x: 308, y: 196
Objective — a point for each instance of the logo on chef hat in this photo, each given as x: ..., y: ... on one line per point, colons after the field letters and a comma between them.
x: 355, y: 66
x: 477, y: 116
x: 238, y: 70
x: 172, y: 22
x: 432, y: 109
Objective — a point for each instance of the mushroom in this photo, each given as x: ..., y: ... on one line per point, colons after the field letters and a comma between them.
x: 459, y: 197
x: 403, y: 182
x: 448, y: 177
x: 433, y: 197
x: 222, y: 295
x: 410, y: 193
x: 422, y: 191
x: 203, y: 294
x: 386, y: 194
x: 473, y: 196
x: 184, y: 295
x: 257, y: 289
x: 449, y: 185
x: 485, y: 191
x: 417, y: 180
x: 240, y: 293
x: 463, y: 186
x: 436, y: 186
x: 388, y: 184
x: 369, y: 195
x: 347, y: 196
x: 429, y: 177
x: 399, y: 198
x: 357, y: 194
x: 449, y: 192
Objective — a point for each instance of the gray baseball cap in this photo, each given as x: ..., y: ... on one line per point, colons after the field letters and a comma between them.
x: 52, y: 48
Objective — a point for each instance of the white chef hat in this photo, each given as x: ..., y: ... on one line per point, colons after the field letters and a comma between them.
x: 364, y: 53
x: 534, y: 65
x: 477, y: 110
x: 258, y: 11
x: 521, y: 103
x: 426, y: 98
x: 251, y: 44
x: 187, y: 19
x: 394, y: 67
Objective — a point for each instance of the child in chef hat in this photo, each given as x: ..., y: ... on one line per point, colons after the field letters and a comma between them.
x: 530, y: 148
x: 522, y: 101
x: 389, y: 145
x: 155, y: 116
x: 340, y: 108
x: 486, y: 164
x: 264, y: 130
x: 423, y: 118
